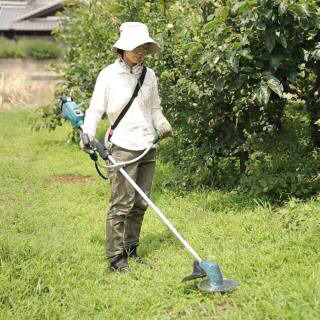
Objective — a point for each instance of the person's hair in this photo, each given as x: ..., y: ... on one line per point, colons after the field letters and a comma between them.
x: 120, y: 51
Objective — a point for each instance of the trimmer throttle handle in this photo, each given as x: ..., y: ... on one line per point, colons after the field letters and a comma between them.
x: 90, y: 146
x: 100, y: 148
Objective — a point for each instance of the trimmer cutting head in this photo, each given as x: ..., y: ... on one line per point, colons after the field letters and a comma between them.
x: 215, y: 281
x: 227, y: 285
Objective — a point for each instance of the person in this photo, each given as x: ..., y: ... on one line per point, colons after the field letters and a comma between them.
x: 135, y: 132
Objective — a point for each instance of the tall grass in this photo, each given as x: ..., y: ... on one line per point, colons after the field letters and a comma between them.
x: 52, y: 262
x: 16, y: 89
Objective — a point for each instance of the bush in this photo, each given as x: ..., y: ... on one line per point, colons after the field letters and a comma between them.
x: 224, y: 71
x: 284, y: 166
x: 288, y: 168
x: 9, y: 49
x: 37, y: 49
x: 280, y: 177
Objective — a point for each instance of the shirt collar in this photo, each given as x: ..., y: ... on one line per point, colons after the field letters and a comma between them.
x: 123, y: 67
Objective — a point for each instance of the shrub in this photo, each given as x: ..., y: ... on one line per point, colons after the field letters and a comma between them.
x: 223, y: 71
x: 39, y: 49
x: 9, y: 49
x: 288, y: 168
x: 280, y: 177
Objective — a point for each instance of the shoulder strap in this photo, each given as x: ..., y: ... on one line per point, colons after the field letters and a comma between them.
x: 126, y: 108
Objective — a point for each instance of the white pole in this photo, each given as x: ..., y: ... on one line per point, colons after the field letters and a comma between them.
x: 157, y: 211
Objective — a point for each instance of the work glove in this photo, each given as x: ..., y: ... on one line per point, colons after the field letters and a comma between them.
x: 91, y: 137
x: 164, y: 130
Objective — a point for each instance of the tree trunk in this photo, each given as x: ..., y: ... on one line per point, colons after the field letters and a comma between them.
x: 313, y: 106
x: 314, y: 128
x: 243, y: 157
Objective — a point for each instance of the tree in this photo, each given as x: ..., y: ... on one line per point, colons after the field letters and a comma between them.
x: 241, y: 57
x: 225, y: 71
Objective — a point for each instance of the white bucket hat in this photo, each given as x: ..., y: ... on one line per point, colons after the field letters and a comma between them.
x: 132, y: 35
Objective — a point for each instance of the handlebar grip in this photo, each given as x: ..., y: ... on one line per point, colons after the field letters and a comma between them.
x: 100, y: 148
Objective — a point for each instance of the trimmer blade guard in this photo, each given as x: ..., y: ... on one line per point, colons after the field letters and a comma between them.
x: 196, y: 273
x: 215, y: 281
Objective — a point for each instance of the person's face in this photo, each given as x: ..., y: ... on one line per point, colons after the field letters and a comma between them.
x: 136, y: 55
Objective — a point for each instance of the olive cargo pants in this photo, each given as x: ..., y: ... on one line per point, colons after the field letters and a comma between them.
x: 126, y: 206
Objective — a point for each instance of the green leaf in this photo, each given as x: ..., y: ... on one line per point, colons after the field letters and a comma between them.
x: 243, y: 6
x: 305, y: 9
x: 295, y: 8
x: 275, y: 61
x: 193, y: 52
x: 267, y: 14
x: 261, y: 26
x: 234, y: 63
x: 190, y: 45
x: 316, y: 22
x: 222, y: 12
x: 219, y: 84
x: 212, y: 58
x: 210, y: 26
x: 282, y: 8
x: 246, y: 54
x: 306, y: 54
x: 237, y: 5
x: 196, y: 66
x: 263, y: 94
x: 316, y: 54
x: 276, y: 86
x: 304, y: 23
x: 282, y: 40
x: 292, y: 76
x: 240, y: 80
x: 270, y: 41
x: 210, y: 17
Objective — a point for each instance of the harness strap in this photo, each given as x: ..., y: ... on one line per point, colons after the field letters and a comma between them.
x: 126, y: 108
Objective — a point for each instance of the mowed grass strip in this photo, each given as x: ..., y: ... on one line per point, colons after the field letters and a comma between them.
x: 52, y: 248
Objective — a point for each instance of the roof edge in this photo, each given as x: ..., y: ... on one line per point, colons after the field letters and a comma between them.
x: 40, y: 11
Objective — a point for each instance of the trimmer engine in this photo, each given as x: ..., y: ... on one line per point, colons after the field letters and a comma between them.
x: 71, y: 111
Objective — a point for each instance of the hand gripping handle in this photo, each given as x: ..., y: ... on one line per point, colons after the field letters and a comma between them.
x: 88, y: 148
x: 86, y: 141
x: 100, y: 148
x: 94, y: 145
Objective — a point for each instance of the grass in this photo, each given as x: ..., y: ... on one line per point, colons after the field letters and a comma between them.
x: 52, y: 262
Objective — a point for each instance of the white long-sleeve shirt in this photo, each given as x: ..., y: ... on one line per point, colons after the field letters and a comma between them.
x: 113, y: 89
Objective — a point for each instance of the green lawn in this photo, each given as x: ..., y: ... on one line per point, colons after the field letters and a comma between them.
x: 52, y: 261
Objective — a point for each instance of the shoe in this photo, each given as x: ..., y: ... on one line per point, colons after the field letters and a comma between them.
x: 131, y: 253
x: 120, y: 264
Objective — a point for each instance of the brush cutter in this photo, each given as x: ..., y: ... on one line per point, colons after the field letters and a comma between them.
x: 214, y: 282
